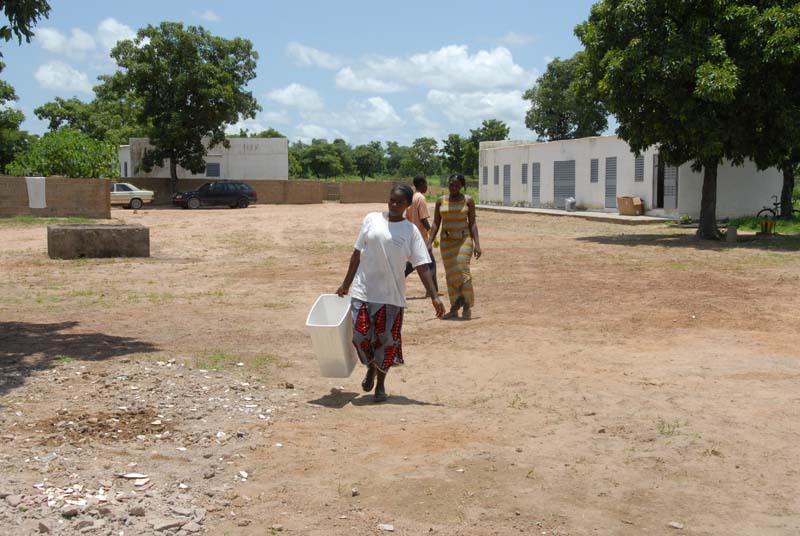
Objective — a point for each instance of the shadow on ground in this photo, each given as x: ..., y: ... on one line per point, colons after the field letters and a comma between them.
x: 773, y: 243
x: 338, y: 399
x: 26, y: 348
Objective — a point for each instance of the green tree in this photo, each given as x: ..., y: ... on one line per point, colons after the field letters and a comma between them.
x: 269, y: 133
x: 395, y: 155
x: 422, y: 159
x: 673, y: 74
x: 345, y: 154
x: 368, y: 159
x: 321, y: 159
x: 13, y: 141
x: 562, y: 106
x: 69, y: 153
x: 22, y: 16
x: 191, y: 86
x: 453, y: 152
x: 490, y: 130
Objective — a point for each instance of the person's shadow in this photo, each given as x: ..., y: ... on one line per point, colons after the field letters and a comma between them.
x: 337, y: 399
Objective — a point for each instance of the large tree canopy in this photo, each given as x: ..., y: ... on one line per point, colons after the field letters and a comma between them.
x: 563, y: 106
x: 191, y: 85
x: 22, y: 16
x: 69, y: 153
x: 674, y: 73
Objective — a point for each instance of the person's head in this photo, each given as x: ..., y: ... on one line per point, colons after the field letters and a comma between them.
x: 399, y: 200
x: 421, y: 184
x: 455, y: 183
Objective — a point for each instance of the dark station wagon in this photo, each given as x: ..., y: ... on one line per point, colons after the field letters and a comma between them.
x: 231, y: 193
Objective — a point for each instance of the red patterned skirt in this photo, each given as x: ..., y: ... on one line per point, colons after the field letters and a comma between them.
x: 376, y: 333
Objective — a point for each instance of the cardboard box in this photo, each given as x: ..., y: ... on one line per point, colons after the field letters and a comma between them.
x: 630, y: 206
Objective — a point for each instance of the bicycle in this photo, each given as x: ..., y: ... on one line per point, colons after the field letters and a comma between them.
x: 775, y: 211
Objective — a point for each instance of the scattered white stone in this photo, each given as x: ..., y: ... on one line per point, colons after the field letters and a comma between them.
x: 675, y: 524
x: 386, y: 527
x: 243, y: 474
x: 279, y: 445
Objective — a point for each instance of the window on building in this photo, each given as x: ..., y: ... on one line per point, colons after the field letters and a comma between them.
x: 212, y: 169
x: 497, y: 174
x: 595, y: 170
x: 125, y: 170
x: 638, y: 169
x: 485, y: 175
x: 524, y: 173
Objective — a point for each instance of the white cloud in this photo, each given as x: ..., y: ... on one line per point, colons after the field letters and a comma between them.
x: 207, y: 15
x: 304, y: 55
x: 513, y: 39
x: 110, y: 30
x: 61, y: 77
x: 548, y: 59
x: 373, y: 114
x: 280, y: 117
x: 299, y: 96
x: 471, y: 108
x: 251, y: 125
x: 449, y: 68
x: 77, y: 45
x: 309, y: 132
x: 347, y: 79
x: 419, y: 113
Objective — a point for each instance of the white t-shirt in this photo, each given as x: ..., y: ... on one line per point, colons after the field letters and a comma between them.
x: 385, y: 247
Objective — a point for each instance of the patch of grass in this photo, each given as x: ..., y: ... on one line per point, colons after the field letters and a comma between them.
x: 213, y: 360
x: 667, y: 428
x: 517, y: 402
x: 64, y: 359
x: 218, y: 359
x: 787, y: 227
x: 29, y: 220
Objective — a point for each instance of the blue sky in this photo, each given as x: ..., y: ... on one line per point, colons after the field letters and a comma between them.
x: 353, y: 69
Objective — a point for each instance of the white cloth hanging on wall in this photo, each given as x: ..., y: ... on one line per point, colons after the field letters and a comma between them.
x: 36, y: 192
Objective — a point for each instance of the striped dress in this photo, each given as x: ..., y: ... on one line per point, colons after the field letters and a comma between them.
x: 456, y: 249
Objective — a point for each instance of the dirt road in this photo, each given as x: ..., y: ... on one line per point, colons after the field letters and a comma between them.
x: 614, y: 380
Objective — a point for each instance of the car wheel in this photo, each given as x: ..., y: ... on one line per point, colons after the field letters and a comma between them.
x: 243, y: 202
x: 135, y: 203
x: 193, y: 203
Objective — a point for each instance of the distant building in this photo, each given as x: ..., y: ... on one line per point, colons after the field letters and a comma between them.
x: 595, y: 171
x: 246, y: 158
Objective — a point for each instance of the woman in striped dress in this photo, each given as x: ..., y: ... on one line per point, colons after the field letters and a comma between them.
x: 455, y: 216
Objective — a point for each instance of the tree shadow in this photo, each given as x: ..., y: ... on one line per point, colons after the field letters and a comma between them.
x: 337, y: 399
x: 772, y: 243
x: 26, y: 348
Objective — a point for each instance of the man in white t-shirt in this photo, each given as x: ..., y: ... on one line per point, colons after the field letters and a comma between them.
x: 376, y: 283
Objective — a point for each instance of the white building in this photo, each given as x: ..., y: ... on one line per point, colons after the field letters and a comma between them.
x: 595, y: 171
x: 246, y: 158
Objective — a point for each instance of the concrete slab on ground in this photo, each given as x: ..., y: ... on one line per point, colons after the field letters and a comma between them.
x: 608, y: 217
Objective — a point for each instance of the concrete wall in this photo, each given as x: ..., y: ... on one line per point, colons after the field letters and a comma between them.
x: 125, y: 168
x: 268, y: 191
x: 587, y: 194
x: 245, y: 159
x: 365, y: 192
x: 741, y: 190
x: 88, y: 198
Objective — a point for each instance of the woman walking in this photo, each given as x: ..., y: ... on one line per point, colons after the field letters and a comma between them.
x: 455, y: 216
x: 376, y: 283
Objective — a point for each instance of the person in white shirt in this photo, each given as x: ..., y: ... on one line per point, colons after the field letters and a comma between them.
x: 376, y: 283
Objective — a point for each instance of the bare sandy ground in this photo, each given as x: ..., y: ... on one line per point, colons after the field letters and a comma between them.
x: 613, y: 381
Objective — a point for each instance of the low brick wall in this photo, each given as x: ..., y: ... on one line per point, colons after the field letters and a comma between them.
x: 304, y: 192
x: 365, y: 192
x: 64, y: 197
x: 272, y: 192
x: 76, y: 241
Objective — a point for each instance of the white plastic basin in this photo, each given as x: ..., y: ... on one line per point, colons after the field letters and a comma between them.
x: 331, y: 333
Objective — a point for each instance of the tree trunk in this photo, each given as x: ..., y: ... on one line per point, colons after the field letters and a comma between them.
x: 786, y: 191
x: 708, y: 204
x: 173, y: 175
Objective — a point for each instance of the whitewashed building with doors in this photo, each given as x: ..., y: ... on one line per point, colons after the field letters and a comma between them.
x: 595, y: 171
x: 246, y: 158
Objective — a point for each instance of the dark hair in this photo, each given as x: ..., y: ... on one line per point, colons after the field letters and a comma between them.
x: 419, y: 180
x: 460, y: 178
x: 406, y: 190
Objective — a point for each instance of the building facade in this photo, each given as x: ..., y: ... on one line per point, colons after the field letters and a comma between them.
x: 595, y: 171
x: 246, y: 158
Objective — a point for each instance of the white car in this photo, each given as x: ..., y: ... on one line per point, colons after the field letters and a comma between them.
x: 125, y: 193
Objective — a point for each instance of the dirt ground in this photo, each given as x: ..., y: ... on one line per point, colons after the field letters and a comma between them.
x: 615, y: 380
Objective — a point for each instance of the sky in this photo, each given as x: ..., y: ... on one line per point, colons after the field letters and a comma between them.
x: 351, y: 69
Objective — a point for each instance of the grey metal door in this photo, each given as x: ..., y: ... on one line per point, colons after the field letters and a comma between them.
x: 506, y: 185
x: 563, y: 181
x: 611, y: 182
x: 536, y: 185
x: 670, y: 188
